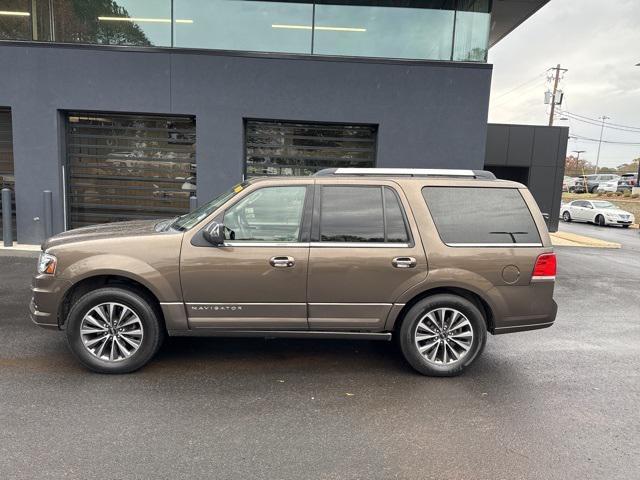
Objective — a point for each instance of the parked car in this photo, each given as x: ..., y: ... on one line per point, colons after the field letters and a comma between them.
x: 589, y: 183
x: 614, y: 186
x: 568, y: 184
x: 630, y: 178
x: 596, y: 211
x: 437, y: 258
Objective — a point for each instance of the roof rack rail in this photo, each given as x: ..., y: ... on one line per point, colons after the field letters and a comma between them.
x: 407, y: 172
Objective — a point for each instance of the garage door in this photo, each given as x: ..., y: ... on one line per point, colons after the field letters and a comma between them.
x: 128, y: 167
x: 6, y: 164
x: 294, y: 148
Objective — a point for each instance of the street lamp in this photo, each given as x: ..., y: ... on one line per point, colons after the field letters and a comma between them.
x: 603, y: 118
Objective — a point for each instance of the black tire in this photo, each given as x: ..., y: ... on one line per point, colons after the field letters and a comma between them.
x: 600, y: 221
x: 566, y: 216
x: 593, y: 189
x: 414, y: 316
x: 572, y: 189
x: 153, y: 330
x: 625, y: 226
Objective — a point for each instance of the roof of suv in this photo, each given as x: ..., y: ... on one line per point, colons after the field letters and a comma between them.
x: 409, y: 175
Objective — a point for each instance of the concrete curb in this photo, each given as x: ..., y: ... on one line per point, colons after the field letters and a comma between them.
x: 566, y: 239
x: 19, y: 247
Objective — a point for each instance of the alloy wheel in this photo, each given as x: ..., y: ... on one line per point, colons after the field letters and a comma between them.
x: 111, y: 331
x: 443, y: 336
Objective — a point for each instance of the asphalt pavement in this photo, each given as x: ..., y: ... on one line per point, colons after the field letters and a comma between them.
x: 559, y: 403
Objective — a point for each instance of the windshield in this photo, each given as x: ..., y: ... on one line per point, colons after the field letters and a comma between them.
x: 189, y: 220
x: 603, y: 205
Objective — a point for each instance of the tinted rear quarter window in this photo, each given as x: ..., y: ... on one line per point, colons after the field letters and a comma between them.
x: 475, y: 215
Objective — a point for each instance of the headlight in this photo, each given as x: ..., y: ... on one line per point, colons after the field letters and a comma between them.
x: 47, y: 263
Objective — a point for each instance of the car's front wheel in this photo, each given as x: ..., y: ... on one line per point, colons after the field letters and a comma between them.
x: 113, y: 330
x: 443, y: 334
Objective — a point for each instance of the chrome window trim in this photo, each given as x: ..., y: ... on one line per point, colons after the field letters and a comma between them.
x: 360, y: 244
x: 318, y: 244
x: 265, y: 244
x: 505, y: 245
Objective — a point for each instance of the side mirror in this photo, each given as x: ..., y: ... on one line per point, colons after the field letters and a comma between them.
x: 214, y: 233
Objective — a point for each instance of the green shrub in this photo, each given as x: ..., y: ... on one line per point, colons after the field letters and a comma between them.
x: 609, y: 194
x: 599, y: 193
x: 634, y: 195
x: 626, y: 193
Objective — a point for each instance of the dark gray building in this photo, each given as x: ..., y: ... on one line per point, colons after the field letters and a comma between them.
x: 127, y: 109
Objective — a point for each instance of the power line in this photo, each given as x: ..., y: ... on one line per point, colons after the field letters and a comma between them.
x: 542, y: 74
x: 575, y: 136
x: 616, y: 126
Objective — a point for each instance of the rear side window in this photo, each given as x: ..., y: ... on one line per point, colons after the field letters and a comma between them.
x: 488, y: 216
x: 361, y: 214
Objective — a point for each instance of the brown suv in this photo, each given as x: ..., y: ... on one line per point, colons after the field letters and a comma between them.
x: 435, y: 258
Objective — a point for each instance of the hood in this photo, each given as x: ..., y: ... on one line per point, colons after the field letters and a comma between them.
x: 106, y: 230
x: 615, y: 211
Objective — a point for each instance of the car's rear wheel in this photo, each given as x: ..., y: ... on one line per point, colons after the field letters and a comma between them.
x: 443, y: 334
x: 600, y: 221
x: 566, y: 216
x: 113, y: 330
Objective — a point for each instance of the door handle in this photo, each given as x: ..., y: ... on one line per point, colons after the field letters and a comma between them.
x: 403, y: 262
x: 282, y: 262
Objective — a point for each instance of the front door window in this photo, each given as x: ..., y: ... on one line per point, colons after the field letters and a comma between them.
x: 272, y: 214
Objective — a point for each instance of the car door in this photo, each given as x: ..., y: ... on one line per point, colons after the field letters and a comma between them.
x: 577, y: 210
x: 258, y: 278
x: 364, y: 253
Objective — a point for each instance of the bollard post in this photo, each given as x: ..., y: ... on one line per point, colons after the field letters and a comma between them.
x: 47, y: 213
x: 193, y: 203
x: 7, y: 229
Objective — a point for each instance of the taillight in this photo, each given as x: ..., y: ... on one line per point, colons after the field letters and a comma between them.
x: 545, y: 268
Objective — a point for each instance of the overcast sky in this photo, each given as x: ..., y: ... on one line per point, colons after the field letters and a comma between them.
x: 599, y: 43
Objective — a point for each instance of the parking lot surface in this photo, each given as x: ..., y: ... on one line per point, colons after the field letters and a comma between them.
x: 555, y: 403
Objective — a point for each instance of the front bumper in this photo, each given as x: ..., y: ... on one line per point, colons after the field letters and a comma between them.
x: 47, y: 293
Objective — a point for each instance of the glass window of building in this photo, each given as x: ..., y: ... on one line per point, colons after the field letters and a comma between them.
x: 294, y: 148
x: 244, y: 25
x: 389, y: 29
x: 128, y: 167
x: 473, y: 20
x: 122, y: 22
x: 15, y: 20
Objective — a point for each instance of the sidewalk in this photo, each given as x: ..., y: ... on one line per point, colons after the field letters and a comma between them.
x: 566, y: 239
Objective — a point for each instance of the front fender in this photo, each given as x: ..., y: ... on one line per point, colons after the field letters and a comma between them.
x: 163, y: 282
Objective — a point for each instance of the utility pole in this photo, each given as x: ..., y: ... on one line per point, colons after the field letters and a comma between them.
x: 603, y: 118
x: 556, y: 80
x: 584, y: 180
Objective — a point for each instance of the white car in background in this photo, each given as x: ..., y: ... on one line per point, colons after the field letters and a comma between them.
x: 596, y: 211
x: 610, y: 186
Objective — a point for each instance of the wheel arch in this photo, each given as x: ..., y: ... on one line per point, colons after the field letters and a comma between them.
x: 465, y: 293
x: 92, y: 282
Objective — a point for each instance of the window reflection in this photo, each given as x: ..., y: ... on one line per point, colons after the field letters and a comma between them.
x: 121, y: 22
x: 390, y: 32
x: 472, y: 31
x: 414, y: 29
x: 244, y: 25
x: 15, y: 19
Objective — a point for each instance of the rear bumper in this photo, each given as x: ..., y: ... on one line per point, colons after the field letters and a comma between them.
x: 533, y: 323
